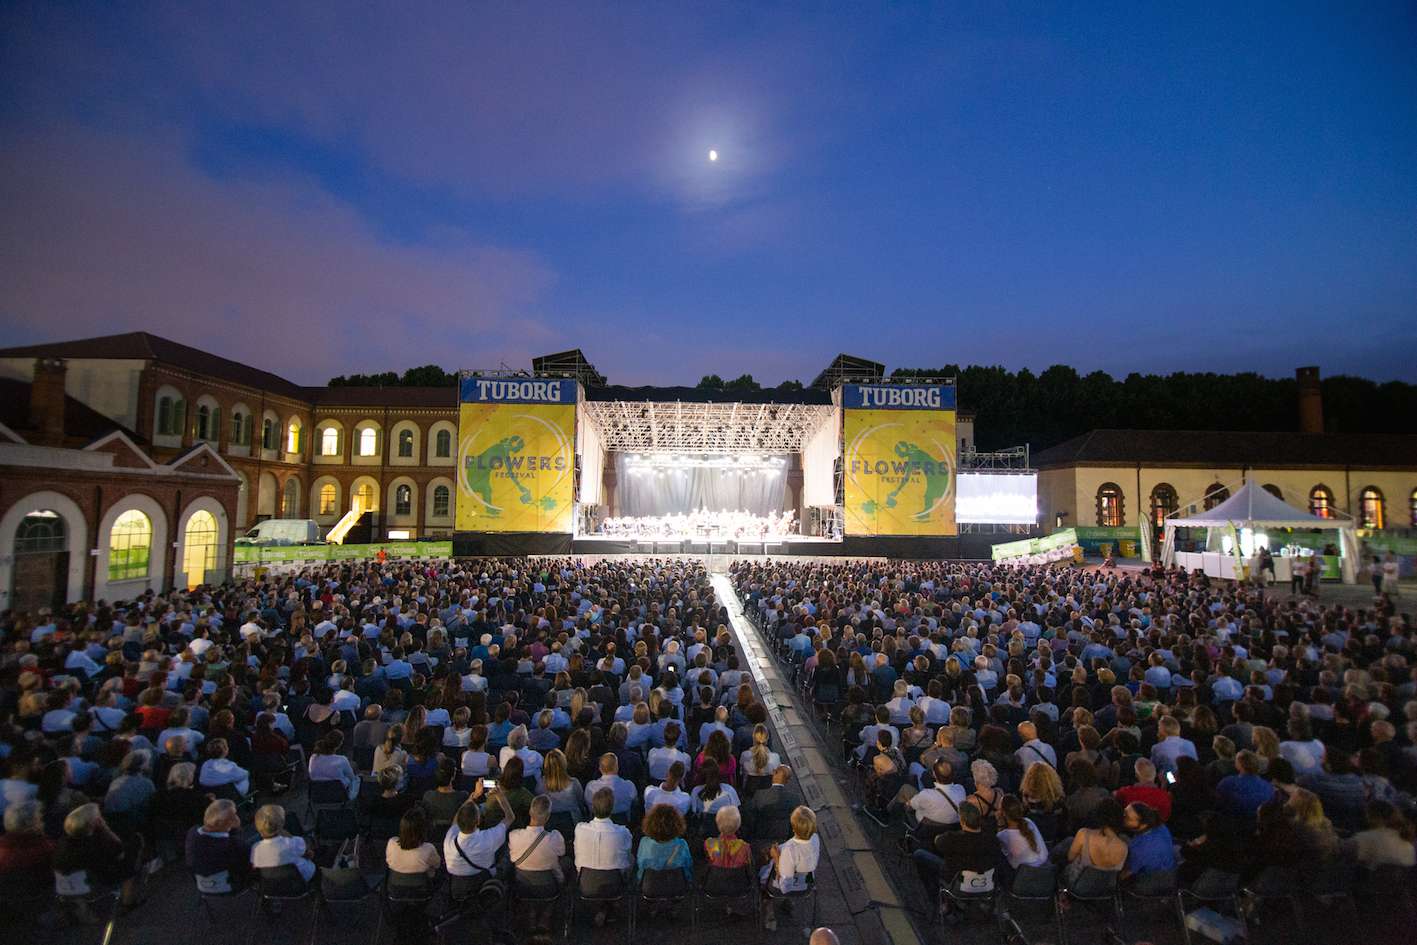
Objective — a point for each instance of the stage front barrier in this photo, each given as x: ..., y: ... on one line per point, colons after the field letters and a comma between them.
x: 516, y: 455
x: 899, y: 459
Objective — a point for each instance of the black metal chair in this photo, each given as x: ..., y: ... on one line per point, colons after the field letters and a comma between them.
x: 969, y: 892
x: 614, y: 889
x: 77, y: 897
x: 771, y: 896
x: 277, y: 888
x: 339, y: 891
x: 665, y: 888
x: 1278, y: 883
x: 1034, y: 884
x: 406, y: 899
x: 723, y: 885
x: 539, y: 889
x: 216, y: 888
x: 1213, y: 887
x: 1151, y: 889
x: 1092, y: 887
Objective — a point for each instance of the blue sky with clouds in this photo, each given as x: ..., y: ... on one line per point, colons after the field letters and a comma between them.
x: 328, y: 188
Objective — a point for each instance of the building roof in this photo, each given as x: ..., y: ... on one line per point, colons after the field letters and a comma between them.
x: 1231, y: 449
x: 81, y: 421
x: 394, y: 397
x: 142, y: 345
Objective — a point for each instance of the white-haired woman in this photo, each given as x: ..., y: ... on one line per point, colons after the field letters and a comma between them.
x: 987, y: 797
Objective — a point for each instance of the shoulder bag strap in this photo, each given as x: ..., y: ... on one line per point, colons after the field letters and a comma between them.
x: 527, y: 852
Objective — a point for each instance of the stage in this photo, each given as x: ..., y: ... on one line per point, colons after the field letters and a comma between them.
x: 486, y: 544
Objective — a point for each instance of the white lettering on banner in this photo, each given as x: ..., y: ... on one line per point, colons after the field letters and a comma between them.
x: 900, y: 397
x: 519, y: 390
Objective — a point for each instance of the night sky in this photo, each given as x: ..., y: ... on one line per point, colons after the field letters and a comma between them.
x: 352, y: 187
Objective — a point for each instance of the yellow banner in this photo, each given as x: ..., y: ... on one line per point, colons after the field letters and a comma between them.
x: 516, y: 467
x: 900, y: 472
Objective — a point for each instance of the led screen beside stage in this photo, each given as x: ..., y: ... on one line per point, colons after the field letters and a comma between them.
x: 899, y: 460
x: 992, y: 498
x: 516, y: 455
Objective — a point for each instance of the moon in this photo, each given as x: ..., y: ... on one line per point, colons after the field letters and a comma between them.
x: 713, y: 155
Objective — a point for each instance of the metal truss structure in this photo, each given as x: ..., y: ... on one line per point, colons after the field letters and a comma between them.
x: 1014, y: 459
x: 678, y: 427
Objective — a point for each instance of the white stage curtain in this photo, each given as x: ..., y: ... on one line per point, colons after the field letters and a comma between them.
x: 1145, y: 531
x: 819, y: 455
x: 651, y: 492
x: 591, y: 450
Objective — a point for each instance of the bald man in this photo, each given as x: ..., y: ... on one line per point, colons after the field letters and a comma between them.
x: 823, y: 936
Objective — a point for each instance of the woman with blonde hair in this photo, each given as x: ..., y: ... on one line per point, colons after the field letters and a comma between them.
x: 1042, y: 792
x: 566, y: 793
x: 790, y: 864
x: 1317, y: 836
x: 1265, y: 742
x: 390, y: 753
x: 759, y: 761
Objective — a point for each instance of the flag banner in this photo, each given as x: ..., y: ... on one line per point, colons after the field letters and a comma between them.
x: 516, y: 455
x: 899, y: 460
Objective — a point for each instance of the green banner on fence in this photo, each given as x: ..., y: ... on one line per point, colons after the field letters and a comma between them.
x: 277, y: 554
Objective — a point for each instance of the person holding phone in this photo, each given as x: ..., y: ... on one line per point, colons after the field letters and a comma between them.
x: 469, y: 847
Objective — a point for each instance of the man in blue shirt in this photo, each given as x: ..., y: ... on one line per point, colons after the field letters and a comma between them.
x: 1150, y: 849
x: 1242, y: 794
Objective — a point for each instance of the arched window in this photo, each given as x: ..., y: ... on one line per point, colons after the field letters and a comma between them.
x: 1370, y: 504
x: 170, y: 413
x: 199, y: 547
x: 1412, y: 503
x: 328, y: 496
x: 1164, y: 501
x: 292, y: 437
x: 365, y: 495
x: 1110, y: 510
x: 405, y: 444
x: 1321, y: 501
x: 41, y: 533
x: 442, y: 497
x: 443, y: 444
x: 238, y: 429
x: 130, y: 543
x: 368, y: 441
x: 290, y: 505
x: 403, y: 501
x: 1274, y: 490
x: 204, y: 422
x: 268, y: 434
x: 329, y: 441
x: 1215, y: 494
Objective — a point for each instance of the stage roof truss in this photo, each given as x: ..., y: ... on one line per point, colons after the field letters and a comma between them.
x: 683, y: 427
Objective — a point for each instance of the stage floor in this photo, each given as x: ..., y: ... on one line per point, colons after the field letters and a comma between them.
x: 788, y: 544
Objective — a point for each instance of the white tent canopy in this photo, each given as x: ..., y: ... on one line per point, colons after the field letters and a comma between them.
x: 1255, y: 508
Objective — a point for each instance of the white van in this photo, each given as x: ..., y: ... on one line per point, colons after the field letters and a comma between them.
x: 283, y: 531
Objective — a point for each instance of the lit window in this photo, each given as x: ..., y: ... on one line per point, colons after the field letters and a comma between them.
x: 368, y: 441
x: 365, y: 495
x: 442, y: 497
x: 405, y: 444
x: 130, y: 546
x: 1321, y: 501
x: 1110, y: 512
x: 443, y: 444
x: 328, y: 498
x: 292, y: 437
x: 403, y: 501
x: 1164, y: 501
x: 329, y: 441
x: 1371, y: 504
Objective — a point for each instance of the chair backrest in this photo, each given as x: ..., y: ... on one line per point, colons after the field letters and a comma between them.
x: 1093, y: 883
x: 1215, y: 884
x: 728, y: 881
x: 1034, y: 882
x: 1155, y: 884
x: 407, y: 887
x: 72, y: 885
x: 214, y: 884
x: 664, y: 884
x: 328, y: 792
x: 282, y: 882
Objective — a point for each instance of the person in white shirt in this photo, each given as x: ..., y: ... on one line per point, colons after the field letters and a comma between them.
x: 936, y: 709
x: 719, y: 724
x: 474, y: 681
x: 218, y: 770
x: 1019, y: 838
x: 409, y: 853
x: 713, y: 793
x: 759, y: 761
x: 346, y: 699
x: 469, y: 849
x: 602, y: 851
x: 670, y: 791
x: 1171, y: 746
x: 937, y: 805
x: 660, y: 759
x: 623, y: 791
x: 900, y: 704
x: 177, y: 725
x: 536, y: 854
x: 791, y: 863
x: 516, y: 747
x: 278, y: 848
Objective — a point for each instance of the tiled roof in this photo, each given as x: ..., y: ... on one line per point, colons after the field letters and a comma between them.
x: 1231, y: 448
x: 141, y: 345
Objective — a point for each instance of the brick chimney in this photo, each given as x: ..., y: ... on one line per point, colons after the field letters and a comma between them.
x: 1311, y: 400
x: 47, y: 401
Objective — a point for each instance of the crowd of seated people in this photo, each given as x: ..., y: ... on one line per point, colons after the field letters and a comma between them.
x: 474, y: 731
x: 1138, y: 727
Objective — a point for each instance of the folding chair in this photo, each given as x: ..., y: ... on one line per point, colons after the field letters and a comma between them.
x: 340, y: 890
x: 1034, y: 884
x: 974, y: 892
x: 1152, y: 888
x: 1213, y: 887
x: 77, y: 897
x: 1278, y: 882
x: 771, y: 896
x: 406, y: 898
x: 665, y: 887
x: 1091, y: 887
x: 724, y: 885
x: 276, y: 888
x: 616, y: 890
x: 1329, y: 880
x: 538, y: 889
x: 216, y: 888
